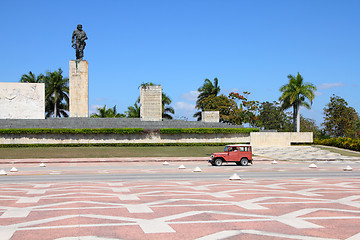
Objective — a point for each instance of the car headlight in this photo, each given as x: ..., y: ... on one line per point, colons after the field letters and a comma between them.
x: 212, y: 156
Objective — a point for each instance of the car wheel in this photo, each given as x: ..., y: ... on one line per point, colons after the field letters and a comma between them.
x: 218, y: 162
x: 244, y: 162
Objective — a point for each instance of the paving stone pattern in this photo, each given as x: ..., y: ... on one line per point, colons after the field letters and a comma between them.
x: 299, y: 153
x: 311, y: 209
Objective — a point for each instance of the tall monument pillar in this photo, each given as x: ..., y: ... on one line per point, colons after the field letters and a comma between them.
x: 151, y: 103
x: 78, y: 88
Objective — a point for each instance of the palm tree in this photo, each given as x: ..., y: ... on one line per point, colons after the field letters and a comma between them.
x: 56, y: 91
x: 294, y: 94
x: 31, y: 78
x: 62, y: 108
x: 107, y: 113
x: 206, y: 90
x: 166, y: 109
x: 133, y: 111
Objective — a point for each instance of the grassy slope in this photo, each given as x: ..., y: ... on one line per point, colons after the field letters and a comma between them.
x: 341, y: 151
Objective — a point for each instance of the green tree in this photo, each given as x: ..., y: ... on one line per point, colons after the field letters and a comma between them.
x: 309, y: 125
x: 62, y: 108
x: 166, y: 108
x: 229, y: 110
x: 272, y: 117
x: 340, y: 120
x: 247, y: 108
x: 107, y: 113
x: 133, y: 111
x: 31, y: 78
x: 208, y: 89
x: 294, y: 94
x: 56, y: 94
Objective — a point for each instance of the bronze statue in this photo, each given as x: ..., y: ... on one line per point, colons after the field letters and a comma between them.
x: 78, y: 42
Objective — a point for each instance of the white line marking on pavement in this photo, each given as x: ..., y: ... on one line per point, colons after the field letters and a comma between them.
x: 154, y: 226
x: 16, y: 213
x: 138, y: 208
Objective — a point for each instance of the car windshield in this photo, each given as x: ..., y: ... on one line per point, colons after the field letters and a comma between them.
x: 226, y: 148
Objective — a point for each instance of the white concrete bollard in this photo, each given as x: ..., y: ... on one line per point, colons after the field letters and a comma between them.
x: 234, y: 177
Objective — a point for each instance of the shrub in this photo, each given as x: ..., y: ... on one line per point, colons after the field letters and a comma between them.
x: 347, y: 143
x: 72, y: 131
x: 207, y: 130
x: 111, y: 145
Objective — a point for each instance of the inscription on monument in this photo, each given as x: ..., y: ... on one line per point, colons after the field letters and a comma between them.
x: 150, y: 103
x: 210, y: 116
x: 78, y: 89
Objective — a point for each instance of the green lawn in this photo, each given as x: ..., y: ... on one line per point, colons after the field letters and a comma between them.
x: 341, y: 151
x: 108, y: 152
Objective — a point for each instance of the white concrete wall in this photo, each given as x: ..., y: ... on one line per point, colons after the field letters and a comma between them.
x: 22, y: 100
x: 269, y: 139
x: 256, y: 139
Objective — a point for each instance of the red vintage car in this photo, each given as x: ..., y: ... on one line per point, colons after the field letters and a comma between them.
x: 241, y: 154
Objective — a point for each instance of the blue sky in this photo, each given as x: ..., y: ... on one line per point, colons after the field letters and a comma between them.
x: 248, y: 45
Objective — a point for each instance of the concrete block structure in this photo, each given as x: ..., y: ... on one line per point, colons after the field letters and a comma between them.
x: 78, y: 88
x: 210, y: 116
x: 151, y: 103
x: 274, y: 139
x: 22, y: 100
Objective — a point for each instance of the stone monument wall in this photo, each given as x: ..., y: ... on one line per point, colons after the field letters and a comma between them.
x: 78, y: 89
x: 22, y: 100
x: 210, y: 116
x: 256, y: 139
x: 150, y: 103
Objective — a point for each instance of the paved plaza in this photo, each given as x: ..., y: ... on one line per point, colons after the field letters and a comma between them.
x: 307, y: 153
x: 206, y: 210
x: 131, y: 199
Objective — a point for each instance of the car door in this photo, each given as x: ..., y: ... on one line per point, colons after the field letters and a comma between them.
x: 233, y: 154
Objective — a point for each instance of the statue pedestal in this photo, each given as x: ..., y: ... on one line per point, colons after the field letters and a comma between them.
x: 78, y: 88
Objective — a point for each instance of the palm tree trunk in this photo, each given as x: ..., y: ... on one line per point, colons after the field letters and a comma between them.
x: 298, y: 118
x: 294, y: 118
x: 55, y: 109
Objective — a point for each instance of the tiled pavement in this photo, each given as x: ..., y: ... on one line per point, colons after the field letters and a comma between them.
x: 314, y: 209
x: 304, y: 209
x: 308, y: 153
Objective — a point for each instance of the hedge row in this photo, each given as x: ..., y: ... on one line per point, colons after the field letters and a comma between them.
x: 348, y: 143
x: 207, y: 130
x: 111, y: 145
x: 72, y: 131
x: 124, y: 130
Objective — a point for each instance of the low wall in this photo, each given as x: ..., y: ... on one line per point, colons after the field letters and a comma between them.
x: 254, y: 138
x: 152, y: 137
x: 271, y: 139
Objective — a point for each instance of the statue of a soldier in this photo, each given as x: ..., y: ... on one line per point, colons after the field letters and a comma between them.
x: 78, y: 42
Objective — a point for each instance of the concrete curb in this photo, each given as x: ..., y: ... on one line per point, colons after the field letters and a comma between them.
x: 112, y: 160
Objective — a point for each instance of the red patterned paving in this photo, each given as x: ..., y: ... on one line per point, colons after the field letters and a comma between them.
x: 253, y: 209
